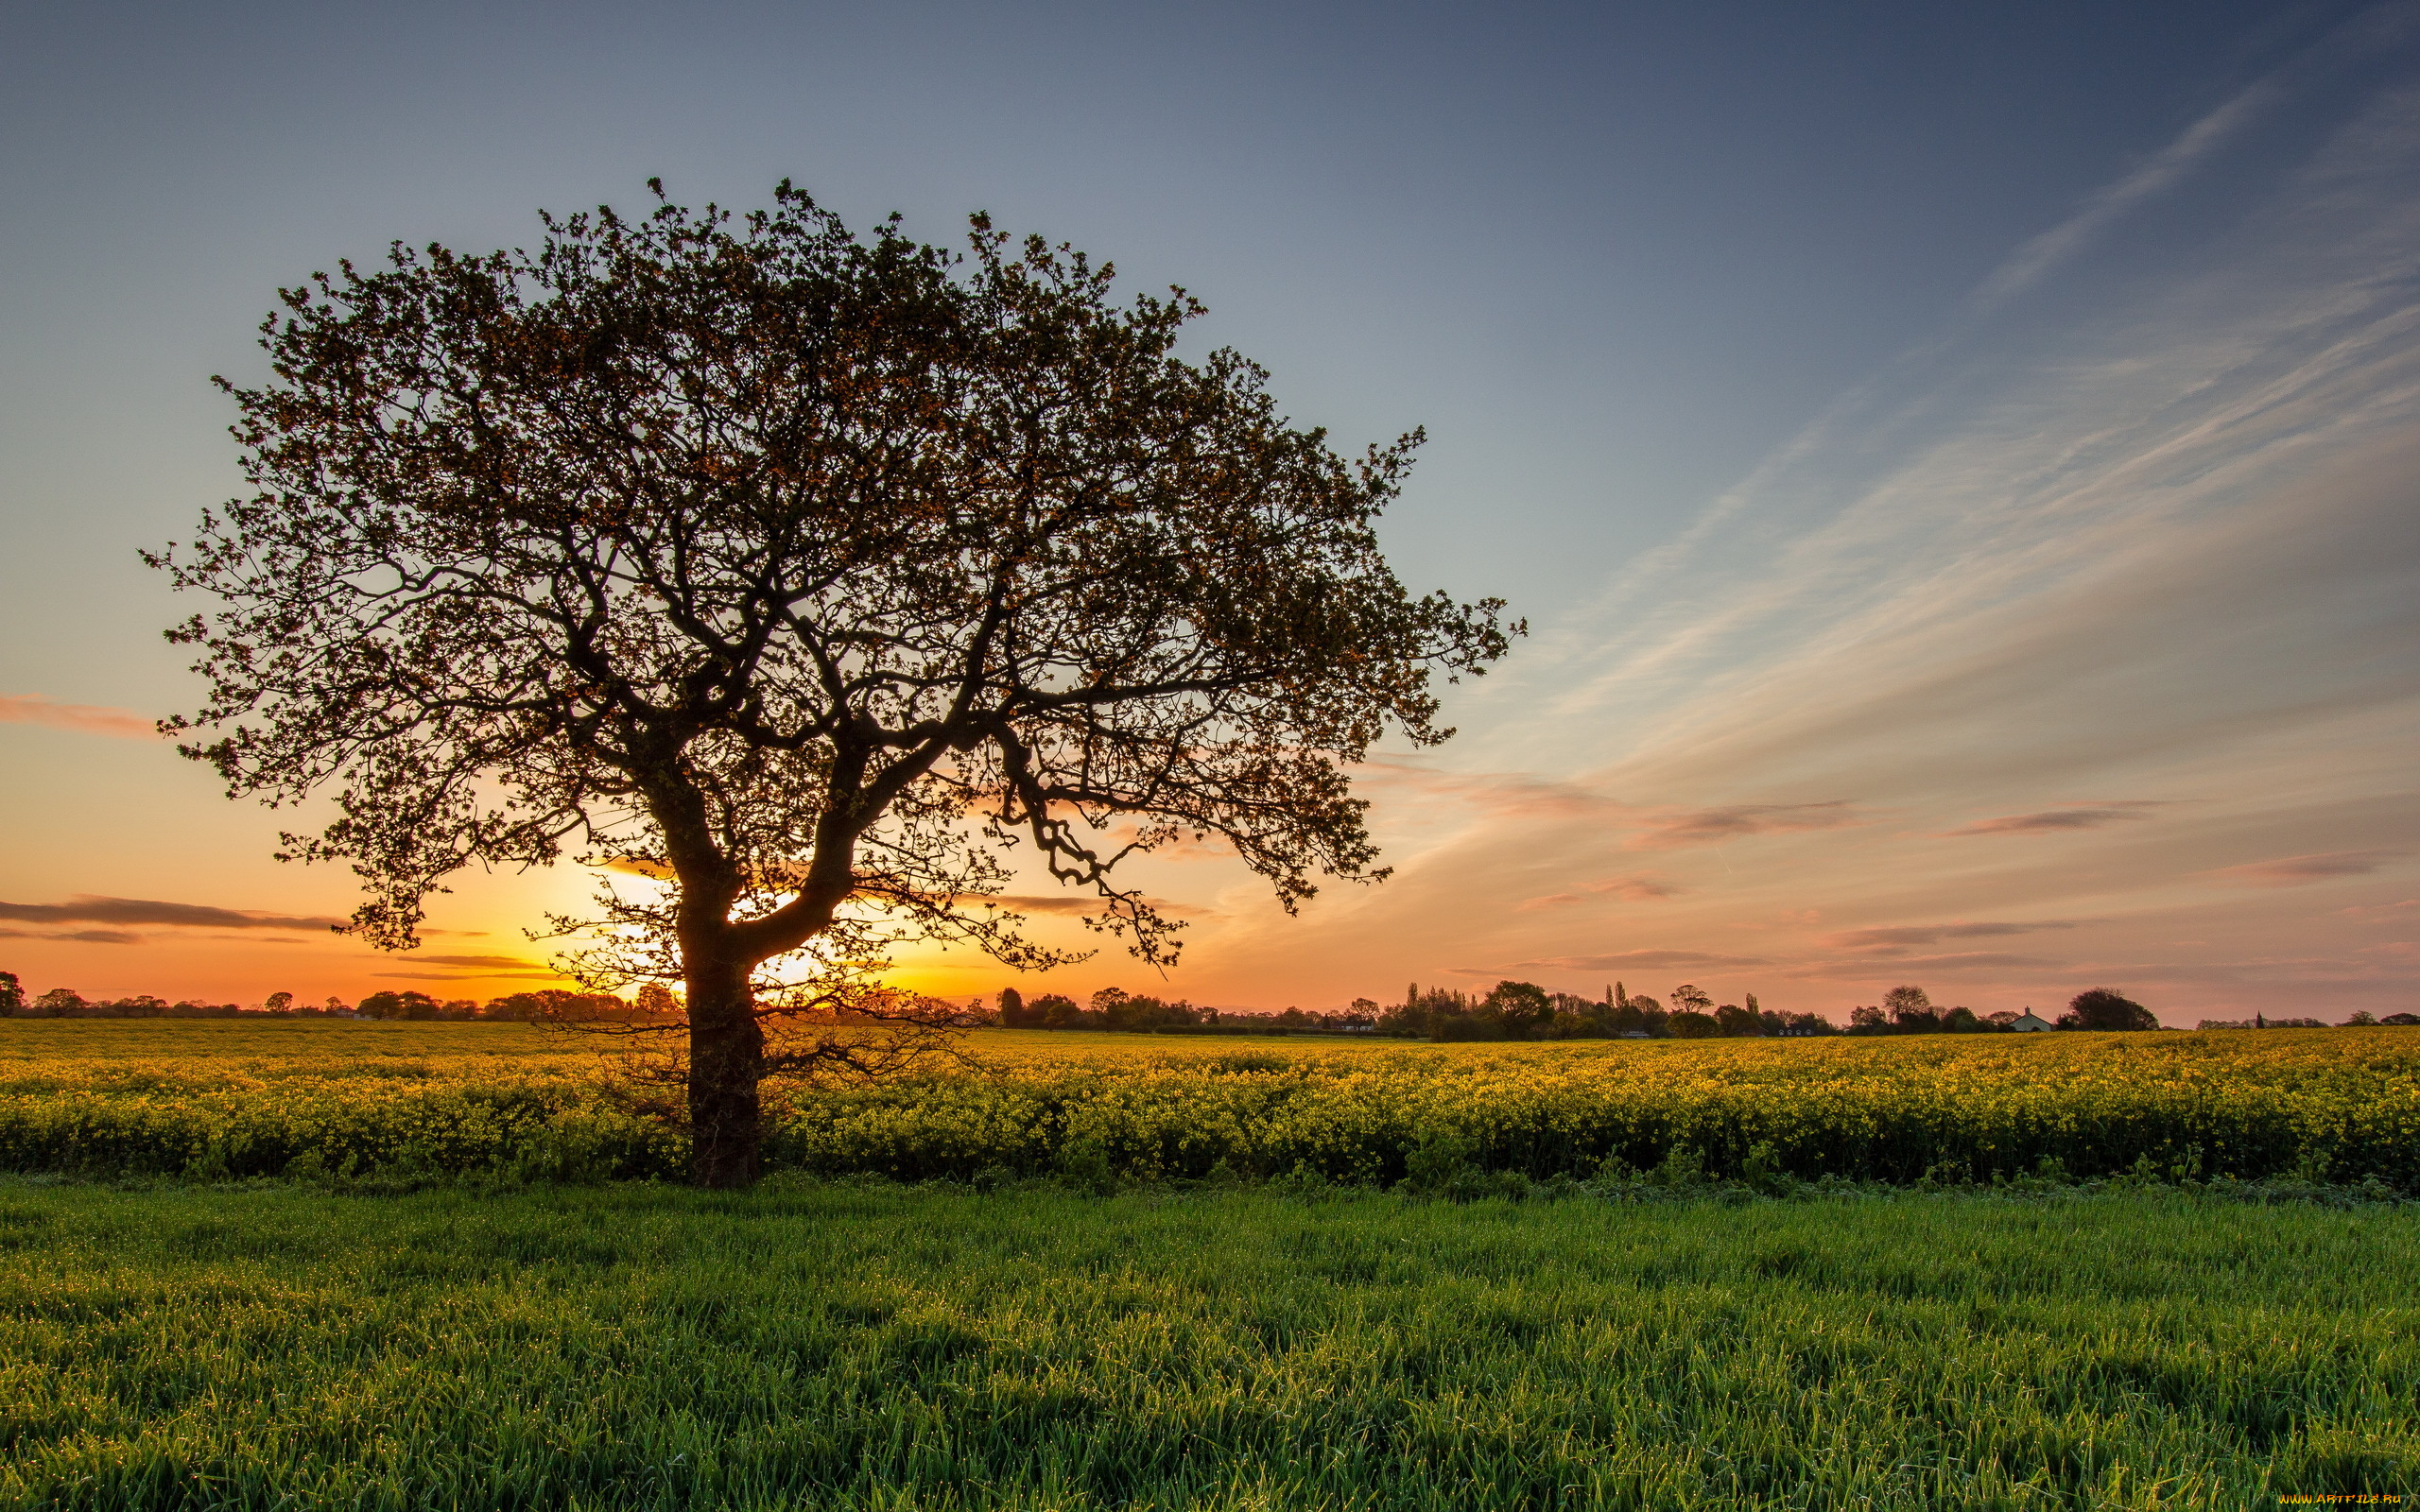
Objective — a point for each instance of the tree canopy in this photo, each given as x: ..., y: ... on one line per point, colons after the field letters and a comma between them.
x: 824, y: 578
x: 2104, y: 1007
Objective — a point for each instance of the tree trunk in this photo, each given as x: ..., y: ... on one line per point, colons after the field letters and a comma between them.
x: 726, y: 1057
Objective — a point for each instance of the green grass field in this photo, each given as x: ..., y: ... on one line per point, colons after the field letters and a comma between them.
x: 872, y: 1345
x: 1176, y: 1272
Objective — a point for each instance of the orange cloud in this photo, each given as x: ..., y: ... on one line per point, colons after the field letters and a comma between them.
x: 472, y: 969
x: 1901, y: 964
x: 1633, y: 889
x: 2290, y: 871
x: 2052, y: 821
x: 87, y: 909
x: 91, y: 719
x: 1895, y: 942
x: 1643, y: 959
x: 2382, y: 912
x: 1506, y: 795
x: 1082, y: 903
x: 78, y: 937
x: 1712, y: 826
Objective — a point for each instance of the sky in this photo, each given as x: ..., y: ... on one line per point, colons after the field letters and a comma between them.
x: 1960, y: 465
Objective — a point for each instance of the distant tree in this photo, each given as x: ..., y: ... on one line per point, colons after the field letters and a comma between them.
x: 1055, y: 1010
x: 1363, y: 1014
x: 2002, y: 1018
x: 12, y: 995
x: 1641, y: 1014
x: 1868, y: 1020
x: 2401, y: 1020
x: 1012, y: 1012
x: 1962, y: 1020
x: 390, y: 1005
x: 1577, y: 1018
x: 563, y: 1006
x: 60, y: 1002
x: 1910, y: 1010
x: 2360, y: 1018
x: 1437, y: 1013
x: 2102, y: 1007
x: 807, y: 573
x: 1455, y: 1016
x: 1522, y: 1008
x: 1409, y: 1017
x: 1739, y: 1023
x: 280, y: 1003
x: 1690, y: 1024
x: 655, y: 1001
x: 1689, y: 999
x: 1142, y: 1012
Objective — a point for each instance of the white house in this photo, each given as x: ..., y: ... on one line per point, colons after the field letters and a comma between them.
x: 2031, y: 1022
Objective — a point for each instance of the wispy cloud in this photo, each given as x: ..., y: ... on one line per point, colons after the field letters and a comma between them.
x: 1713, y: 825
x: 1619, y: 960
x: 1900, y: 938
x: 1070, y: 904
x: 491, y: 975
x: 2383, y: 912
x: 1972, y: 961
x: 2026, y: 266
x: 499, y: 962
x: 470, y: 969
x: 2290, y: 871
x: 1630, y: 889
x: 77, y: 936
x: 87, y: 908
x: 2155, y: 536
x: 2054, y: 822
x: 1501, y: 795
x: 91, y: 719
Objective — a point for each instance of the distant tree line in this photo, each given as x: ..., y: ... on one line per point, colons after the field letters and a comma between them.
x: 1524, y: 1010
x: 1509, y: 1010
x: 1114, y: 1009
x: 1909, y: 1010
x: 2362, y: 1018
x: 545, y: 1004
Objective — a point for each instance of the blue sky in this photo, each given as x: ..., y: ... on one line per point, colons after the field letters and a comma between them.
x: 1895, y: 420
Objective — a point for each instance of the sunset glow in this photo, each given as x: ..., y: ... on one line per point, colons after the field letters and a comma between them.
x: 1993, y: 563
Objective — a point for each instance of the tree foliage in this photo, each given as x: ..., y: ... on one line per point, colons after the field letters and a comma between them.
x: 2104, y: 1007
x: 817, y: 577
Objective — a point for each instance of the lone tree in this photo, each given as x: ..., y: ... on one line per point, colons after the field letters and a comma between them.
x: 2104, y: 1007
x: 810, y: 575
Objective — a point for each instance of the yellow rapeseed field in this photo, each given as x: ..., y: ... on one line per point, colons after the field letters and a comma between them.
x: 213, y: 1097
